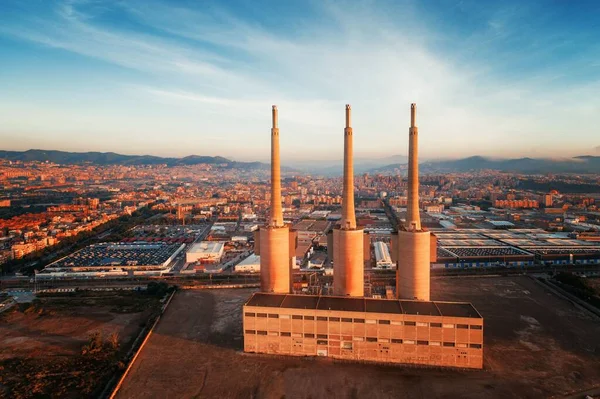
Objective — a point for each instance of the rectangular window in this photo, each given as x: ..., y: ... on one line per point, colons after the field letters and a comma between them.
x: 296, y: 317
x: 358, y: 339
x: 273, y: 316
x: 396, y: 341
x: 250, y: 332
x: 371, y: 321
x: 410, y: 323
x: 371, y: 339
x: 273, y: 333
x: 321, y: 342
x: 261, y: 315
x: 396, y: 323
x: 409, y: 342
x: 461, y: 345
x: 383, y: 340
x: 322, y: 336
x: 334, y: 319
x: 435, y: 343
x: 475, y: 327
x: 309, y: 335
x: 346, y: 320
x: 346, y: 345
x: 286, y: 334
x: 284, y: 316
x: 422, y: 342
x: 297, y: 335
x: 321, y: 318
x: 249, y: 314
x: 261, y: 332
x: 421, y: 324
x: 475, y: 346
x: 359, y: 320
x: 309, y: 317
x: 449, y: 344
x: 384, y: 322
x: 448, y: 325
x: 439, y: 325
x: 462, y: 326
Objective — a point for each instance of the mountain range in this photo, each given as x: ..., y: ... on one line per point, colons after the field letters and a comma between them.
x: 579, y: 164
x: 111, y: 158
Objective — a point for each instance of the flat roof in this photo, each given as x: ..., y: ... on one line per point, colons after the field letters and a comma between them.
x: 207, y: 247
x: 368, y: 305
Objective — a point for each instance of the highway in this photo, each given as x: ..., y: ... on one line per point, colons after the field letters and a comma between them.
x: 377, y: 278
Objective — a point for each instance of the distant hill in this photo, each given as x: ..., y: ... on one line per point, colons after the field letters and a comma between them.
x: 111, y: 158
x: 580, y: 164
x: 336, y: 166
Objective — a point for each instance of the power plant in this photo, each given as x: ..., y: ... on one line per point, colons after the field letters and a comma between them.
x: 274, y: 242
x: 348, y: 240
x: 347, y: 325
x: 411, y: 245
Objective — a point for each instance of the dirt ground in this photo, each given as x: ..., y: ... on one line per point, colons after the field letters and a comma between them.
x: 41, y: 344
x: 536, y: 345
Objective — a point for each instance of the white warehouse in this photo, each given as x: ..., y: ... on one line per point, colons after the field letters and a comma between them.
x: 383, y: 260
x: 249, y: 265
x: 205, y: 251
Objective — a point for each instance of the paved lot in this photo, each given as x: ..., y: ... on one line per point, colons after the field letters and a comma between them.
x: 536, y: 345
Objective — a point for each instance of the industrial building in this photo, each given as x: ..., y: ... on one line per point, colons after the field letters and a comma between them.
x: 205, y: 252
x: 115, y: 259
x: 446, y: 334
x: 412, y: 246
x: 275, y: 243
x: 383, y: 260
x: 466, y: 248
x: 408, y: 330
x: 249, y: 265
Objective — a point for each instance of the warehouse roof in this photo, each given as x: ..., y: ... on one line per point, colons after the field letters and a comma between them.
x: 368, y: 305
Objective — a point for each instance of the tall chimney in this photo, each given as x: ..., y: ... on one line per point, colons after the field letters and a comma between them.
x: 413, y: 219
x: 413, y: 253
x: 348, y: 221
x: 273, y: 242
x: 276, y: 219
x: 348, y: 240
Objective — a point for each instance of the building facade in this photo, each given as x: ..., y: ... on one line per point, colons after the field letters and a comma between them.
x: 447, y: 334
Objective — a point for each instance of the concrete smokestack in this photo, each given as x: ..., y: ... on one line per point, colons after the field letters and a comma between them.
x: 276, y: 219
x: 413, y: 219
x: 348, y: 221
x: 348, y: 241
x: 413, y: 244
x: 273, y: 243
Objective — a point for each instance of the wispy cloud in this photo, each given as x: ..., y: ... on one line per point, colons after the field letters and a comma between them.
x: 230, y: 69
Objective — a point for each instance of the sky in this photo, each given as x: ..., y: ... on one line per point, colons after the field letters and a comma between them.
x: 175, y: 77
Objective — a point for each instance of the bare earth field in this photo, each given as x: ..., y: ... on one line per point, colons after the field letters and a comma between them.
x: 41, y: 344
x: 536, y: 346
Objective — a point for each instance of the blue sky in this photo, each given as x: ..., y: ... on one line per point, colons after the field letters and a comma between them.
x: 173, y: 78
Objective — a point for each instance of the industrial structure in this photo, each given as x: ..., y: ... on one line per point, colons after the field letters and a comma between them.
x: 348, y: 325
x: 411, y: 245
x: 348, y: 240
x: 274, y: 242
x: 446, y: 334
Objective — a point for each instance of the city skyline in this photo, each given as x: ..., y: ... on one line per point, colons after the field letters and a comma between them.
x: 170, y: 79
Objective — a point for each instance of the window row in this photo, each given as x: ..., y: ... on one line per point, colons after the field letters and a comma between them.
x: 322, y: 340
x: 366, y: 321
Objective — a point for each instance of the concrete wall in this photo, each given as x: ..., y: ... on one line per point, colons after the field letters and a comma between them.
x: 348, y: 263
x: 377, y: 337
x: 413, y: 273
x: 275, y: 259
